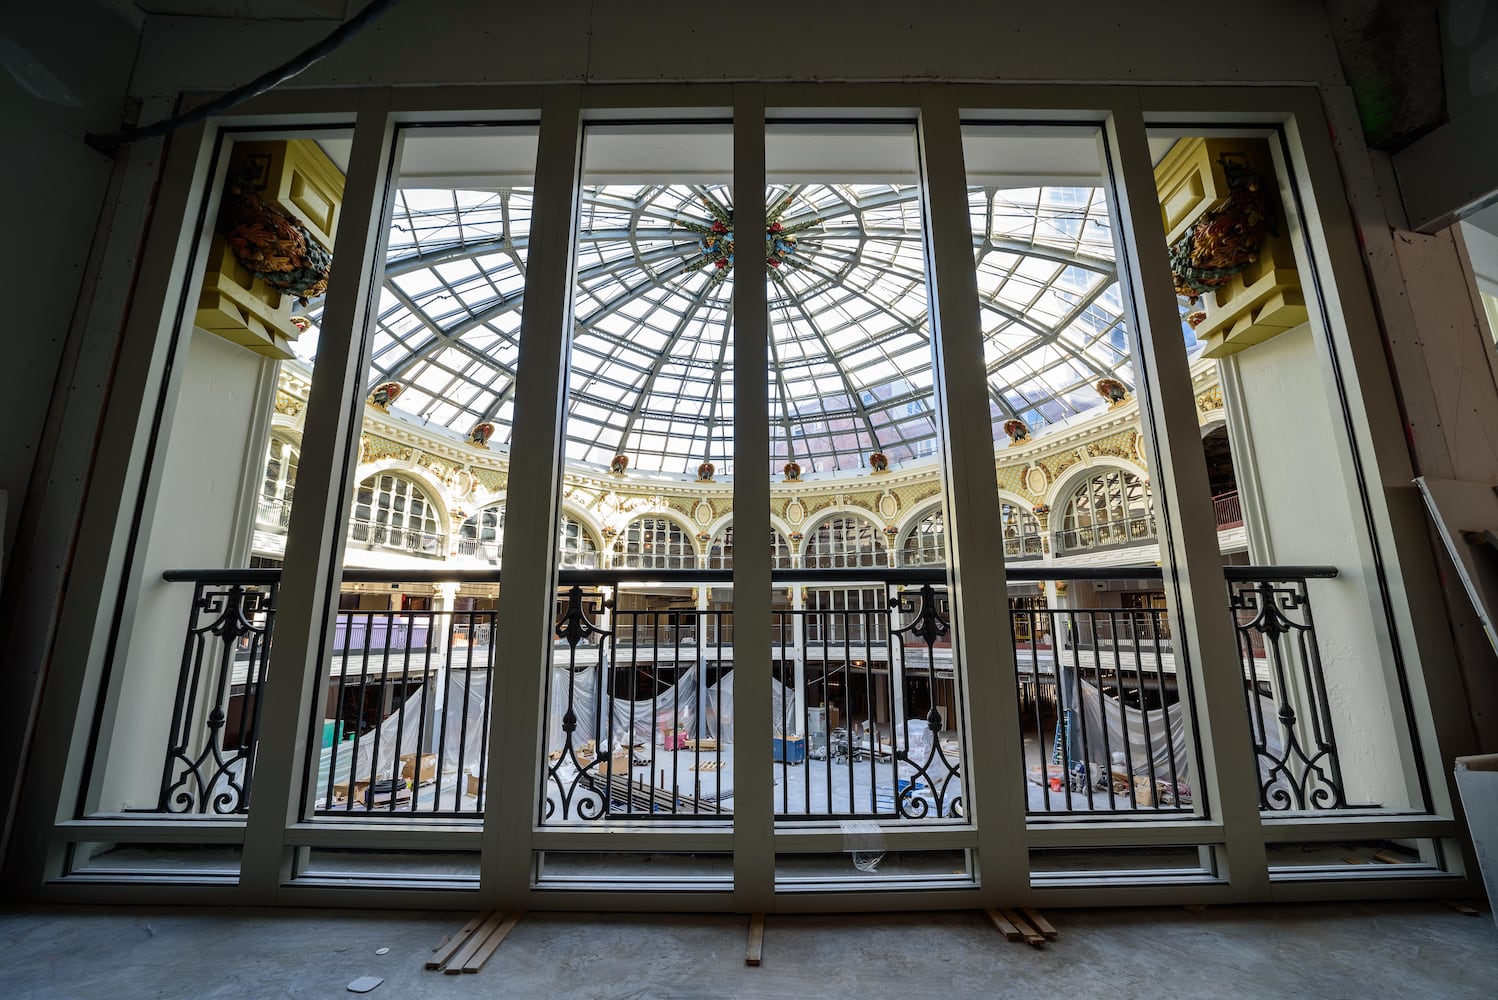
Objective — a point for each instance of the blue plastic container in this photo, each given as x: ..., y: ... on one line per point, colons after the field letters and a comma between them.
x: 791, y: 751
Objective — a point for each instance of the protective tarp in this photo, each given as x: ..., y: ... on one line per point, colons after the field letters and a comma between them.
x: 454, y: 729
x: 698, y: 712
x: 1108, y: 726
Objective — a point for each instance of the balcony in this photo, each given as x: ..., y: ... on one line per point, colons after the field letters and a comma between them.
x: 1106, y: 535
x: 865, y: 707
x: 429, y: 544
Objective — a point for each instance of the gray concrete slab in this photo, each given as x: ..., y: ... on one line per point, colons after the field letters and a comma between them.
x: 1356, y: 950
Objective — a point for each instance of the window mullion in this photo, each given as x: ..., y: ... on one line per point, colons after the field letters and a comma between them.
x: 527, y: 584
x: 975, y: 549
x: 754, y: 819
x: 308, y: 594
x: 1195, y: 592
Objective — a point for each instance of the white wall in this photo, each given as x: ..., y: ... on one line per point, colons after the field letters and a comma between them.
x: 211, y: 440
x: 1303, y: 510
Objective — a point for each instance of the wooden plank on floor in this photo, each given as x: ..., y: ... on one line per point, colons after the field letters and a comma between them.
x: 756, y: 939
x: 1388, y: 859
x: 475, y: 940
x: 1040, y: 923
x: 453, y: 942
x: 496, y: 939
x: 1462, y: 908
x: 1004, y: 927
x: 1032, y: 936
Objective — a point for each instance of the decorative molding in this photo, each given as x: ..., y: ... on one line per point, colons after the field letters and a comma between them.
x: 373, y: 448
x: 288, y: 405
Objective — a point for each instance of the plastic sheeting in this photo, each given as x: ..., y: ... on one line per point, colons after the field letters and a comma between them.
x: 699, y: 712
x: 454, y: 729
x: 1109, y: 726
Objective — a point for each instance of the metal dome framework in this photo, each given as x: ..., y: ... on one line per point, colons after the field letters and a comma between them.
x: 651, y: 364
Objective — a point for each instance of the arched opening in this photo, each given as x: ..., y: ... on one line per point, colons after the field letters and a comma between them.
x: 1222, y: 478
x: 845, y: 542
x: 393, y: 512
x: 1109, y: 509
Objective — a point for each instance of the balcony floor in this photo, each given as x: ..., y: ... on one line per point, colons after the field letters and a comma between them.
x: 1363, y: 950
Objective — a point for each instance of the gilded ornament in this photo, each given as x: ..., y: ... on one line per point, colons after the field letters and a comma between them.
x: 1225, y: 241
x: 480, y: 435
x: 1114, y: 392
x: 384, y: 394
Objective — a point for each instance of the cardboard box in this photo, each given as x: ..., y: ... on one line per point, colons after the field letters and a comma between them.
x: 428, y: 768
x: 471, y: 789
x: 341, y: 791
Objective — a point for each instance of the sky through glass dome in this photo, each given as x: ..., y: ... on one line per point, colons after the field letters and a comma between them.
x: 651, y: 365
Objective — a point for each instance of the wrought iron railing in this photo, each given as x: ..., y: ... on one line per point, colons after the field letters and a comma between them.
x: 273, y: 513
x: 1106, y: 534
x: 410, y: 715
x: 641, y: 704
x: 409, y: 540
x: 1284, y: 686
x: 1228, y: 510
x: 210, y: 753
x: 491, y: 551
x: 1100, y: 703
x: 1024, y: 547
x: 640, y: 710
x: 869, y: 731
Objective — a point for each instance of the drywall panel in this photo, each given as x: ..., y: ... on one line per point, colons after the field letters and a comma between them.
x: 56, y: 189
x: 475, y: 41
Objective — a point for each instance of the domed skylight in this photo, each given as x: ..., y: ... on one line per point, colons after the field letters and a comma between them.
x: 652, y: 367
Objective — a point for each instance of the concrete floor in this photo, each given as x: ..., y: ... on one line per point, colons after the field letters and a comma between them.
x: 1356, y: 950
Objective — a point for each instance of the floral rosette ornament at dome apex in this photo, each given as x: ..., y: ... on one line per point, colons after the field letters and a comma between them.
x: 716, y: 243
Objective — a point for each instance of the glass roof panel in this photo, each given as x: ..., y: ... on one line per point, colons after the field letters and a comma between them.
x: 651, y: 358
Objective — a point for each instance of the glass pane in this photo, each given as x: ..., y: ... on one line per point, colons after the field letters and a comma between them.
x: 405, y: 709
x: 640, y: 691
x: 868, y: 722
x: 180, y: 736
x: 1103, y: 689
x: 1320, y: 668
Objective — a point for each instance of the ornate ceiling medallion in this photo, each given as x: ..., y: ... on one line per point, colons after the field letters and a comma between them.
x: 717, y: 240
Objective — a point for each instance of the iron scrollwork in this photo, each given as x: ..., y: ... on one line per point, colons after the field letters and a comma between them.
x: 575, y: 791
x: 929, y: 623
x: 1304, y: 772
x: 227, y: 646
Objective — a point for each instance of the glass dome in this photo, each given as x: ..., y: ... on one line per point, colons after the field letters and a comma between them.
x: 651, y: 365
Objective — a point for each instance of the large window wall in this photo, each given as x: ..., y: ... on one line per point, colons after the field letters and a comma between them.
x: 1042, y: 299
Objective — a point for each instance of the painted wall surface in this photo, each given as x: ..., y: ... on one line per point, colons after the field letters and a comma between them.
x: 57, y: 188
x: 210, y: 442
x: 1309, y: 515
x: 475, y: 41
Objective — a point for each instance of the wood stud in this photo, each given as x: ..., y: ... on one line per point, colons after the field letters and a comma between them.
x: 471, y: 946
